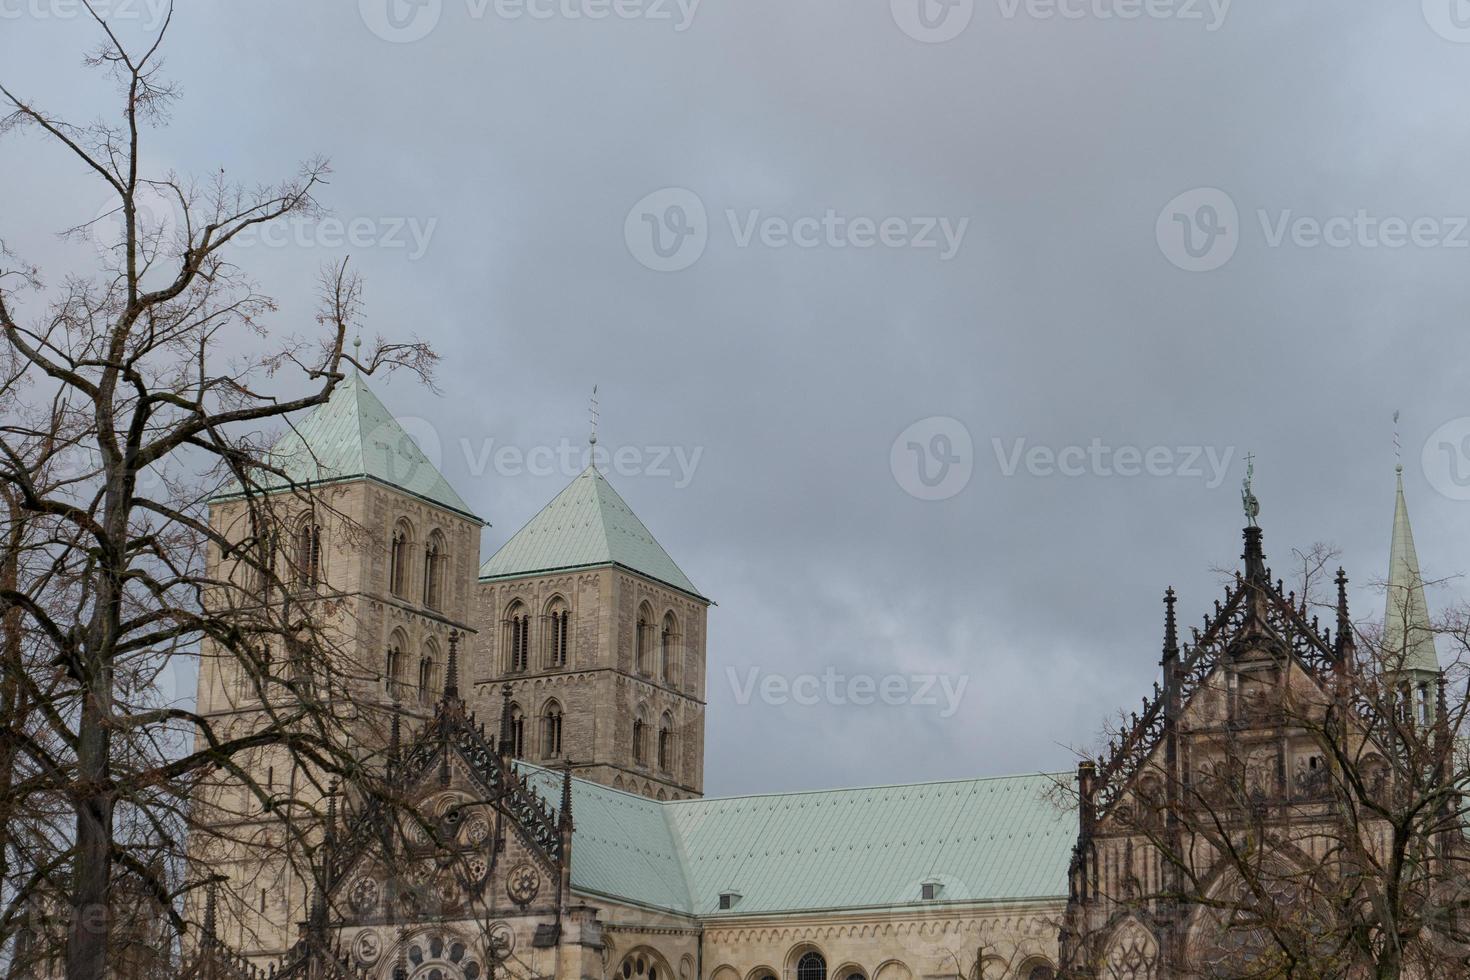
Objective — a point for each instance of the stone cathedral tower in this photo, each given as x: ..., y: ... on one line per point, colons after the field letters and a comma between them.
x: 582, y: 621
x: 384, y: 550
x: 598, y: 639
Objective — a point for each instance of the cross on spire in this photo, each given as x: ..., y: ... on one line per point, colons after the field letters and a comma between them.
x: 593, y: 416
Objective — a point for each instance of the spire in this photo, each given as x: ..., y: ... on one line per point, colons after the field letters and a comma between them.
x: 1171, y: 628
x: 395, y: 738
x: 1345, y: 644
x: 507, y: 740
x: 566, y: 796
x: 1407, y: 631
x: 210, y: 900
x: 451, y: 675
x: 332, y: 812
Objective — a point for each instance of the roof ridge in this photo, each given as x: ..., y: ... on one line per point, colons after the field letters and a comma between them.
x: 833, y: 790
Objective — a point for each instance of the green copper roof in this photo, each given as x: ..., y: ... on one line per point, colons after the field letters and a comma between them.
x: 586, y: 525
x: 353, y: 436
x: 1406, y: 625
x: 983, y: 840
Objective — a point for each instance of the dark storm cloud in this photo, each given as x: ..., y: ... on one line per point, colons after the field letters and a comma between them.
x: 1190, y: 230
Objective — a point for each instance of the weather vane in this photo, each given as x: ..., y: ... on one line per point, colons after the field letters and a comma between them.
x: 593, y: 416
x: 1247, y: 494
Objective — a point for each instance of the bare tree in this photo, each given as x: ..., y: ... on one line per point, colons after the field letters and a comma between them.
x: 132, y: 394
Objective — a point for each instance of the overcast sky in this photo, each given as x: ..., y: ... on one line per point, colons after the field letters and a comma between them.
x: 934, y: 338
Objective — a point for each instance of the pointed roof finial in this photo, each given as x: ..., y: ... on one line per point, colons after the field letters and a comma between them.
x: 357, y: 353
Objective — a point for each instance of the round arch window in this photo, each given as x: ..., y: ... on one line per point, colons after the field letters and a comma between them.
x: 640, y: 966
x: 811, y: 966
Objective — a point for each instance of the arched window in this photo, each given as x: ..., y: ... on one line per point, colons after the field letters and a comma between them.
x: 551, y: 731
x: 394, y: 668
x: 428, y: 674
x: 517, y: 637
x: 667, y: 648
x: 666, y: 743
x: 811, y: 966
x: 1041, y: 971
x: 435, y: 557
x: 558, y: 625
x: 641, y: 639
x: 308, y: 558
x: 398, y: 551
x: 517, y: 731
x: 640, y: 739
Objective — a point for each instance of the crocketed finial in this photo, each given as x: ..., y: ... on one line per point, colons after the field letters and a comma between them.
x: 1344, y: 621
x: 506, y: 746
x: 210, y: 899
x: 451, y: 678
x: 1171, y: 627
x: 566, y: 796
x: 395, y: 737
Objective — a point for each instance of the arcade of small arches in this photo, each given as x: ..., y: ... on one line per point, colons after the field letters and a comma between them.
x: 808, y: 962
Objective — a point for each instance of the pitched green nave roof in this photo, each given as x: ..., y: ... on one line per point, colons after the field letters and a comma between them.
x: 354, y: 436
x: 984, y: 840
x: 586, y: 525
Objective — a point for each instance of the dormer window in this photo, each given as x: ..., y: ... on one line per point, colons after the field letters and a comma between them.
x: 930, y: 891
x: 728, y: 900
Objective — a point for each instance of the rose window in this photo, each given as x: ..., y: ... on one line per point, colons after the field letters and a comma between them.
x: 436, y: 957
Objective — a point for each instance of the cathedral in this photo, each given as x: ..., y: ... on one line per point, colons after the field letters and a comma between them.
x: 543, y: 716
